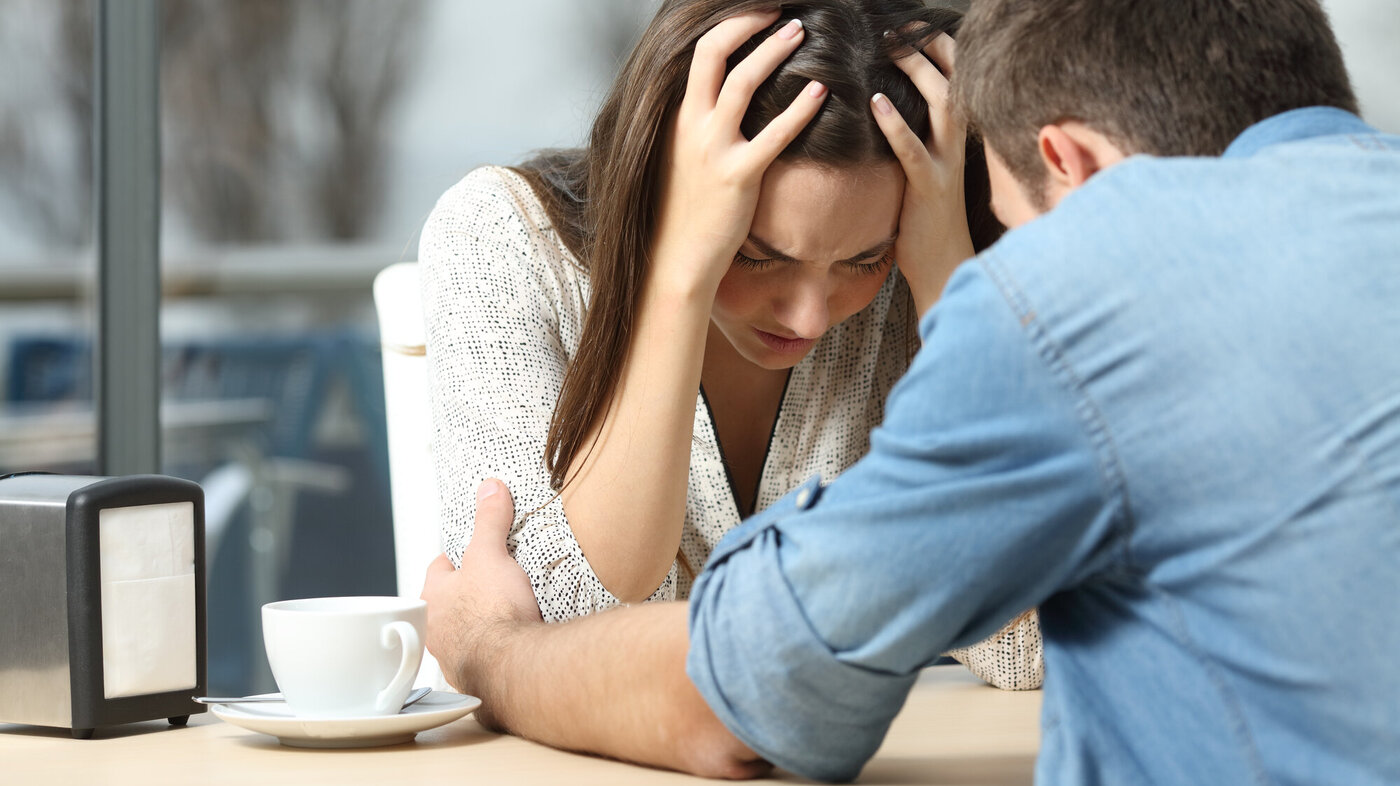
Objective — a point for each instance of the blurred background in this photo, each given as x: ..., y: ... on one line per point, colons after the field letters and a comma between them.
x: 303, y: 142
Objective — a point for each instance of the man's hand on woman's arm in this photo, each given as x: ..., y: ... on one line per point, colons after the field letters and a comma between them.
x: 613, y: 683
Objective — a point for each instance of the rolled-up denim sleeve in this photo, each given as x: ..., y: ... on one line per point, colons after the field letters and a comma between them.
x: 989, y: 485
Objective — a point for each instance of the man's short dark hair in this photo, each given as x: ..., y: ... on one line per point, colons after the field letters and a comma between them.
x: 1167, y: 78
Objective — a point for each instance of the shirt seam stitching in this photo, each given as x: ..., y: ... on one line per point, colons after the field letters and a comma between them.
x: 1090, y: 416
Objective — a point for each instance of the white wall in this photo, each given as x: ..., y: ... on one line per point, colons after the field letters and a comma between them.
x: 498, y: 80
x: 1369, y: 32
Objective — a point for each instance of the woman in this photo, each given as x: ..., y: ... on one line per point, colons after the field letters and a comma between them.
x: 654, y: 336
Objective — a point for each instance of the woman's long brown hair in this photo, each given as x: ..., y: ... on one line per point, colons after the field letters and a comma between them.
x: 602, y: 199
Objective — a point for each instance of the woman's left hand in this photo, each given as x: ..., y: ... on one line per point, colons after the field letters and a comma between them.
x: 933, y: 233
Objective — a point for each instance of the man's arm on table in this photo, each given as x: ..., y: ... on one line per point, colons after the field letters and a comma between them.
x: 983, y: 494
x: 612, y: 683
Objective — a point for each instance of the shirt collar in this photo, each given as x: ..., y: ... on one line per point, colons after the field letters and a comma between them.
x: 1296, y: 124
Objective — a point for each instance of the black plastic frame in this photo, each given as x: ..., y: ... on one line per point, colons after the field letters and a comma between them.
x: 90, y: 708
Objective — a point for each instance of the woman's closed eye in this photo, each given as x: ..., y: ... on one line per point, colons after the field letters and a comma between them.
x: 745, y: 261
x: 869, y: 266
x: 873, y: 266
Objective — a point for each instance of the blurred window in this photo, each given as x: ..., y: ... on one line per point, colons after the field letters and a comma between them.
x: 46, y: 226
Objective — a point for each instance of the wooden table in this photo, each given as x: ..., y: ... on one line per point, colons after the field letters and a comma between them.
x: 954, y: 730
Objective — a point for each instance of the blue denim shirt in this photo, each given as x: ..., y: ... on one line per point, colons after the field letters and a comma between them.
x: 1168, y: 414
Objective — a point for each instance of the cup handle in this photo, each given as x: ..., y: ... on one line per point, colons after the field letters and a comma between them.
x: 407, y: 635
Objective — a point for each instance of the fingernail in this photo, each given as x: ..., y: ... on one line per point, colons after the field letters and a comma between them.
x: 790, y: 29
x: 882, y: 104
x: 816, y: 90
x: 487, y: 488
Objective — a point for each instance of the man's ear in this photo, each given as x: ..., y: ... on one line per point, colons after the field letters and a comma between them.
x: 1072, y: 153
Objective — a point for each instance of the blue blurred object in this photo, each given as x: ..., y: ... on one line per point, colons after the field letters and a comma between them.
x: 48, y: 369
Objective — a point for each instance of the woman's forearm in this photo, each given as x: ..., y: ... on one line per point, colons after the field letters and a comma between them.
x: 625, y: 499
x: 926, y: 281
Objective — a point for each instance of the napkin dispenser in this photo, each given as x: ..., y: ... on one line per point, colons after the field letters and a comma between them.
x: 102, y: 600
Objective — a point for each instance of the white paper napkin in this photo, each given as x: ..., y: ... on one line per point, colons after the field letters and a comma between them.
x: 148, y: 599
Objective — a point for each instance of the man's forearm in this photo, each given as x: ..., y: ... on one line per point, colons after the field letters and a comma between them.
x: 613, y: 683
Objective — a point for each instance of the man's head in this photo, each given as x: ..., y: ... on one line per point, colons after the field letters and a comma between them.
x: 1061, y: 88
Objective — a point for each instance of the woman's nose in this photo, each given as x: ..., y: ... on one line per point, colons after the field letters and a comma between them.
x: 805, y: 311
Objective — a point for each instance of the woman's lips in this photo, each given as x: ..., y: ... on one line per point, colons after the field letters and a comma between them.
x: 782, y: 345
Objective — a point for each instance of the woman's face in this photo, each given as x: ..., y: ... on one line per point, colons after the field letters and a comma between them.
x: 820, y: 247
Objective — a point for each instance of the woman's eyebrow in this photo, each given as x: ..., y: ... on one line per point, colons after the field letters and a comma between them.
x: 774, y: 254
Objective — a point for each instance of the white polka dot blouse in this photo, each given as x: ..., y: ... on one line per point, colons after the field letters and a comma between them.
x: 504, y: 303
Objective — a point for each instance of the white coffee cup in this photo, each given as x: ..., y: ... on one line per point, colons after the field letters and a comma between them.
x: 345, y: 657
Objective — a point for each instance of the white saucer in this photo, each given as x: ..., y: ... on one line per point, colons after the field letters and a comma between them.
x: 280, y: 721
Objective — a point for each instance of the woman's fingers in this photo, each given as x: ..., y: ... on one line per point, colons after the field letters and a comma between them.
x: 943, y: 52
x: 922, y: 72
x: 769, y: 143
x: 712, y: 53
x: 948, y: 133
x: 907, y: 146
x: 741, y: 83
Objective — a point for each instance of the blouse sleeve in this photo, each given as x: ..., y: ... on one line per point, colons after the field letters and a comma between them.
x: 1013, y: 658
x: 501, y: 303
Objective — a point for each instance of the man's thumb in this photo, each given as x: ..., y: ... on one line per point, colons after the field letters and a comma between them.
x: 494, y: 513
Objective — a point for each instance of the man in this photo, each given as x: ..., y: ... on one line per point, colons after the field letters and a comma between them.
x: 1165, y: 410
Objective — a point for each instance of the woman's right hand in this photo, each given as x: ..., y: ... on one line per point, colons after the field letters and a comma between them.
x: 626, y: 497
x: 711, y: 173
